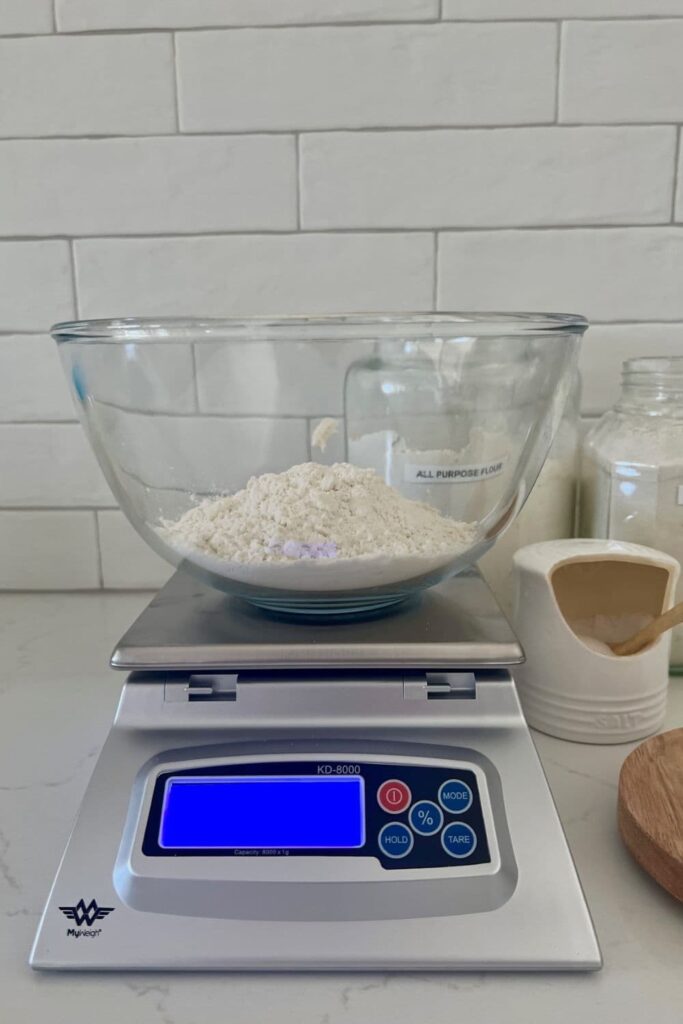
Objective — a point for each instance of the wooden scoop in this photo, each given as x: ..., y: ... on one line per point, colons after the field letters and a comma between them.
x: 646, y: 635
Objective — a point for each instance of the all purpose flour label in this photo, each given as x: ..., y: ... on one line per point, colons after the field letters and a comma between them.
x: 420, y: 473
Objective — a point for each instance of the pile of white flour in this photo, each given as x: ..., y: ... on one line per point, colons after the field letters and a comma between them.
x: 318, y: 527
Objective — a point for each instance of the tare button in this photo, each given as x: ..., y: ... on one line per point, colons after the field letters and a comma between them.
x: 458, y: 840
x: 395, y: 840
x: 393, y: 796
x: 455, y: 796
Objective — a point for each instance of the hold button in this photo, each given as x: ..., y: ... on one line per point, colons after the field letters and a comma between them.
x: 395, y: 840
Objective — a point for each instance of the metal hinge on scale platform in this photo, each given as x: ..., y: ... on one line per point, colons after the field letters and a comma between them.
x: 207, y: 686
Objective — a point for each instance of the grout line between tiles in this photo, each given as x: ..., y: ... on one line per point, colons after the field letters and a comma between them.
x: 341, y: 24
x: 297, y: 168
x: 558, y: 65
x: 435, y: 287
x: 178, y: 415
x: 53, y: 9
x: 195, y: 379
x: 309, y: 430
x: 358, y: 232
x: 51, y: 509
x: 22, y: 333
x: 176, y: 83
x: 375, y: 129
x: 677, y: 160
x: 74, y: 286
x: 137, y: 30
x: 75, y: 591
x: 512, y: 20
x: 98, y: 547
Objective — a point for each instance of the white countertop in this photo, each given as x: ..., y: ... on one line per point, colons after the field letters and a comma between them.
x: 57, y: 700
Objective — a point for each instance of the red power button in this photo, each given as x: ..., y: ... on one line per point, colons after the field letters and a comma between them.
x: 393, y: 796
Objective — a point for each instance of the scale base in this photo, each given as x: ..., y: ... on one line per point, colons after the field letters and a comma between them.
x: 542, y: 924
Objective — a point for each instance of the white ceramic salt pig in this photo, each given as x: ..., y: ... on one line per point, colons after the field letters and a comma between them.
x: 567, y: 687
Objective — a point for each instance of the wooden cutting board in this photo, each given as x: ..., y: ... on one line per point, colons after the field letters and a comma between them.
x: 651, y: 808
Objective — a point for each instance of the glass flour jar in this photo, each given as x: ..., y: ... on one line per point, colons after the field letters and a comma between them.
x: 406, y: 416
x: 632, y: 466
x: 550, y: 510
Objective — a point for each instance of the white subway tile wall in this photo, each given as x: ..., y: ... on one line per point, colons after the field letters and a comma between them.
x: 149, y: 186
x: 87, y: 85
x: 498, y: 9
x: 47, y: 465
x: 128, y: 563
x: 48, y: 551
x: 366, y: 77
x: 91, y: 15
x: 621, y: 71
x: 297, y: 273
x: 610, y: 274
x: 26, y: 17
x: 32, y: 385
x: 509, y: 177
x: 226, y: 378
x: 171, y: 157
x: 610, y: 345
x: 37, y: 285
x: 175, y: 452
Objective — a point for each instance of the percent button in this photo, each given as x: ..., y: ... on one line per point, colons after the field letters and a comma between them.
x: 425, y: 818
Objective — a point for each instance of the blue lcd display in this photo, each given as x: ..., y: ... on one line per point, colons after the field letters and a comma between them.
x: 261, y: 812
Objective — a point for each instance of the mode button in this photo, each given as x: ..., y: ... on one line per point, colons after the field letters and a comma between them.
x: 455, y: 796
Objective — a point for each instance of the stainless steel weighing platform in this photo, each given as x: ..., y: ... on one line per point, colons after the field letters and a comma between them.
x: 279, y: 795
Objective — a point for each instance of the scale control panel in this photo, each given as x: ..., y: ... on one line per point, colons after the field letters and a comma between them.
x: 406, y: 816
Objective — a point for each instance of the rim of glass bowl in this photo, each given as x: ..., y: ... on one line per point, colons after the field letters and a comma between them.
x: 160, y: 330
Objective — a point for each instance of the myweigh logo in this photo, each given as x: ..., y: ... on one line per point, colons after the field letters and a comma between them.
x: 82, y: 914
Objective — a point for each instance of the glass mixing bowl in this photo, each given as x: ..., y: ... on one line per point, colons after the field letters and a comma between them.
x: 453, y: 411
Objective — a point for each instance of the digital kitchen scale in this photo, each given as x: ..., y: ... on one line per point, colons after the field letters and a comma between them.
x: 287, y: 795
